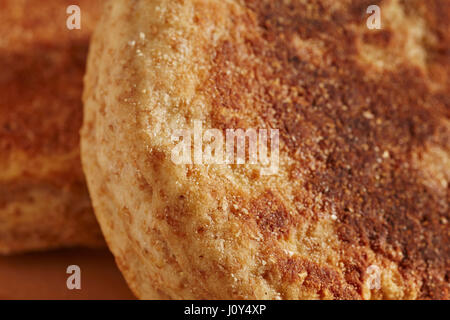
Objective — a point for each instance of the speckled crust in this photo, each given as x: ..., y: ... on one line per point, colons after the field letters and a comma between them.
x: 44, y: 201
x: 364, y: 147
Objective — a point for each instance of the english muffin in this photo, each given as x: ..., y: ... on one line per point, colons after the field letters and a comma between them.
x: 357, y: 204
x: 44, y: 201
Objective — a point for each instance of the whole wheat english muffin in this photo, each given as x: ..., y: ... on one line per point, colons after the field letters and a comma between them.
x: 359, y: 206
x: 44, y: 201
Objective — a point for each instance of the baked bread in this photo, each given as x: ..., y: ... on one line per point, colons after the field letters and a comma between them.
x: 359, y: 206
x: 44, y: 201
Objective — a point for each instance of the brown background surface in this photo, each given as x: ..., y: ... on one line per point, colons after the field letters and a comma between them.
x: 43, y: 276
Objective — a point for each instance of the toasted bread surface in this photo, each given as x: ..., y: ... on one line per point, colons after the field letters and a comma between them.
x: 363, y: 119
x: 44, y: 201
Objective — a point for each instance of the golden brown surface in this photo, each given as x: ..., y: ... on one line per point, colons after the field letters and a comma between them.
x: 43, y: 198
x: 364, y: 152
x: 43, y: 276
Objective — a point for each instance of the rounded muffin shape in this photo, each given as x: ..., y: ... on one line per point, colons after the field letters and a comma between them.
x: 358, y: 207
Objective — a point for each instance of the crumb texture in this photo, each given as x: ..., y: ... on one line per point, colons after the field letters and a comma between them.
x: 364, y: 126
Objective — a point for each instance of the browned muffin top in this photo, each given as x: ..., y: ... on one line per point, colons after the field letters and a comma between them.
x: 366, y: 122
